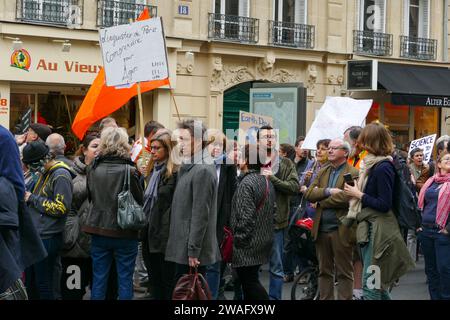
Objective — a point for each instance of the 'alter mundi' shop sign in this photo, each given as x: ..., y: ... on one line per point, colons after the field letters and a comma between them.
x: 420, y: 100
x: 362, y: 75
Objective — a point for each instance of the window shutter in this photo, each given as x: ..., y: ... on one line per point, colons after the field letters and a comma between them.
x: 244, y: 8
x: 301, y: 12
x: 424, y: 18
x: 359, y: 14
x: 380, y: 16
x: 406, y: 17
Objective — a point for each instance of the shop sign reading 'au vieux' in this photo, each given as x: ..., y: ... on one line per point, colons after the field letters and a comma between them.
x: 21, y: 59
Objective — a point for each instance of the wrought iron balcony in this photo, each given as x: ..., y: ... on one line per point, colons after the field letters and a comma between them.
x: 233, y: 28
x: 288, y: 34
x: 372, y: 43
x: 418, y: 48
x: 113, y: 13
x: 56, y: 12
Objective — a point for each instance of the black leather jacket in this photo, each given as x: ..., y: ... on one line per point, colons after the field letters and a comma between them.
x: 104, y: 182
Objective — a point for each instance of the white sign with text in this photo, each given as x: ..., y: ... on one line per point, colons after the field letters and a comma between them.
x: 426, y: 144
x: 134, y: 52
x: 335, y: 116
x: 249, y: 123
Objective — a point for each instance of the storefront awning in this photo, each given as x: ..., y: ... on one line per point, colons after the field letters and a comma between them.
x: 415, y: 85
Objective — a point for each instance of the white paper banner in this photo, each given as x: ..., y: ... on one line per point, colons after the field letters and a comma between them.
x: 426, y: 144
x: 335, y: 116
x: 134, y: 52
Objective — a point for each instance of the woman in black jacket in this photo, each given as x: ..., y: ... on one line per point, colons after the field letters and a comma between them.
x: 105, y: 180
x: 252, y: 224
x: 157, y: 204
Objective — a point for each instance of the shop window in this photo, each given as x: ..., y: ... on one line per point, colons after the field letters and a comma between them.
x: 426, y: 121
x: 59, y: 110
x: 374, y: 113
x: 20, y: 103
x: 397, y: 118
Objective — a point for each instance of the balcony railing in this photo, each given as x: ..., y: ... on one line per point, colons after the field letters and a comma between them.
x: 288, y: 34
x: 233, y: 28
x: 372, y: 43
x: 56, y: 12
x: 113, y: 13
x: 418, y: 48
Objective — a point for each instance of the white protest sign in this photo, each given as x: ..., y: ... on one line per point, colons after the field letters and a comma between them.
x: 249, y: 123
x: 335, y: 116
x: 426, y: 144
x: 134, y: 52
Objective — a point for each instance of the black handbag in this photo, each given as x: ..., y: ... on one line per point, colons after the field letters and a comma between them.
x: 130, y: 214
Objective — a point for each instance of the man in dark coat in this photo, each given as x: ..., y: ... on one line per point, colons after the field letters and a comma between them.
x: 20, y: 245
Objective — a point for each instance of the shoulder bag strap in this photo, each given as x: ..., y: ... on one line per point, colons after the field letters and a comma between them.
x: 261, y: 203
x: 126, y: 180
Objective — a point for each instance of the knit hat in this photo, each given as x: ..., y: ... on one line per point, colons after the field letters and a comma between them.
x: 34, y: 151
x: 42, y: 130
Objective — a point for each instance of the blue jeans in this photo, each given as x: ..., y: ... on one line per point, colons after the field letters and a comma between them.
x: 213, y: 278
x: 124, y: 251
x: 276, y: 266
x: 436, y: 251
x: 40, y: 276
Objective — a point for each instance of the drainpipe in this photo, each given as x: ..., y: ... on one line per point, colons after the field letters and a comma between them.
x: 445, y: 44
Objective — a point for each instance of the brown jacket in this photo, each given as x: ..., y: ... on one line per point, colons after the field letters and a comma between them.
x: 340, y: 202
x: 424, y: 175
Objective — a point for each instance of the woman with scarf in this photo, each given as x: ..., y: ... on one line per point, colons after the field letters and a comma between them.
x: 434, y: 200
x: 312, y: 169
x: 157, y: 205
x: 384, y: 253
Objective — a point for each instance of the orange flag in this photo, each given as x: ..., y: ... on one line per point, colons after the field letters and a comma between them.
x: 101, y: 100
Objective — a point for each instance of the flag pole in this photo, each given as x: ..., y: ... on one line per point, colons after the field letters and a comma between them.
x: 141, y: 113
x: 175, y: 103
x: 141, y: 109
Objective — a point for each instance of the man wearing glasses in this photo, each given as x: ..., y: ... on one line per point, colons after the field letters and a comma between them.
x: 334, y: 241
x: 283, y: 175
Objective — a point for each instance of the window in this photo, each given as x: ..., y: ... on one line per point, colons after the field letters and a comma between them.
x: 116, y: 13
x: 416, y: 18
x: 370, y: 37
x: 372, y: 15
x: 52, y: 11
x: 288, y: 15
x: 231, y: 27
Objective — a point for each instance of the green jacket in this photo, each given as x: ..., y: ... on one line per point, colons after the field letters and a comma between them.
x: 389, y: 249
x: 286, y: 185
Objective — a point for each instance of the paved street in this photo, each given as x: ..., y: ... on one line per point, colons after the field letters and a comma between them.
x: 411, y: 287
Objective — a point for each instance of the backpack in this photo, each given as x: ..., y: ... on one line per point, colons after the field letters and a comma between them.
x: 404, y: 199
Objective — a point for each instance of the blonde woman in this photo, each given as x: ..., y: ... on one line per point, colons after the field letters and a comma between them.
x: 161, y: 173
x: 105, y: 180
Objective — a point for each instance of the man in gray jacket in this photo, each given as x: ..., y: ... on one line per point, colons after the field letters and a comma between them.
x: 192, y: 237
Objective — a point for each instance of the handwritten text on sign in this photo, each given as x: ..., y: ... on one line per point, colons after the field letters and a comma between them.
x: 426, y: 144
x: 134, y: 52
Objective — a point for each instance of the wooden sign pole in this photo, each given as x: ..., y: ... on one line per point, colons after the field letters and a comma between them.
x: 175, y: 103
x: 141, y: 113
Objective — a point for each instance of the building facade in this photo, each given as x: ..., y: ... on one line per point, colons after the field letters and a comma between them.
x: 218, y: 52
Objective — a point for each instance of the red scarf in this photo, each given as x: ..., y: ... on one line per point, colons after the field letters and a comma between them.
x: 443, y: 206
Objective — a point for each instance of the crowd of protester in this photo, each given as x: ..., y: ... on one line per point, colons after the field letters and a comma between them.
x: 60, y: 237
